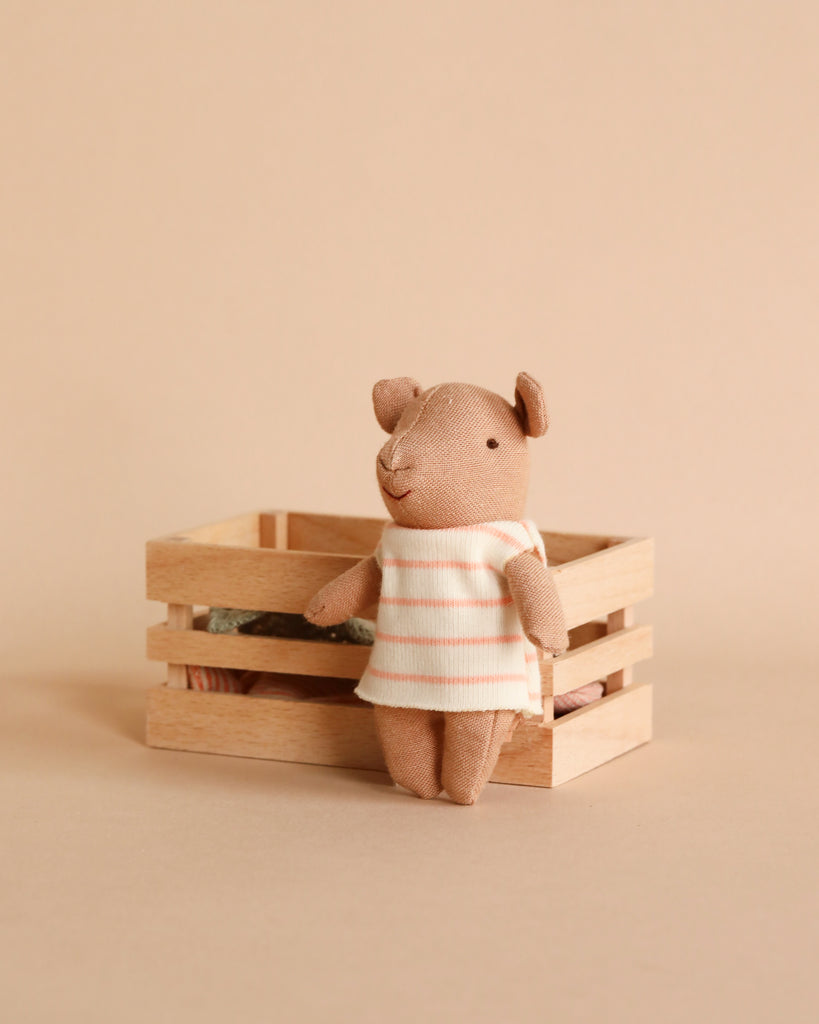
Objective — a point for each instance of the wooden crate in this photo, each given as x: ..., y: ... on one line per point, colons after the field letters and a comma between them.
x: 276, y: 561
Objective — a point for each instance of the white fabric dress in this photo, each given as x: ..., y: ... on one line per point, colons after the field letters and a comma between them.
x: 448, y: 636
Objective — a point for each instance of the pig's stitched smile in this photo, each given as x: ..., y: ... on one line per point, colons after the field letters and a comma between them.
x: 396, y: 497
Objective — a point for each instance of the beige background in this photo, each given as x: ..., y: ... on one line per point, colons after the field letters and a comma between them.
x: 221, y: 223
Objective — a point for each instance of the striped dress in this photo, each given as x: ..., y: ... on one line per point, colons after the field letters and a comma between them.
x: 448, y: 636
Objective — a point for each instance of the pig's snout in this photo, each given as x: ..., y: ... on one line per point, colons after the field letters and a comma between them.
x: 391, y: 459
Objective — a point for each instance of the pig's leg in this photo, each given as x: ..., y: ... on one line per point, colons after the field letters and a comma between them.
x: 472, y: 744
x: 412, y: 741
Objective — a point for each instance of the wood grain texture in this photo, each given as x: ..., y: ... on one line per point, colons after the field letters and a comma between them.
x: 554, y: 753
x: 239, y: 531
x: 284, y: 730
x: 566, y: 547
x: 257, y: 653
x: 622, y: 618
x: 599, y: 732
x: 547, y: 696
x: 351, y: 535
x: 622, y: 675
x: 273, y: 529
x: 281, y: 530
x: 281, y: 730
x: 257, y: 561
x: 601, y: 583
x: 261, y: 579
x: 595, y: 660
x: 182, y: 571
x: 586, y: 633
x: 526, y: 760
x: 180, y: 619
x: 178, y: 677
x: 342, y: 535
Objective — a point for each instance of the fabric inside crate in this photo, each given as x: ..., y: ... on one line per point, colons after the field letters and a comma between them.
x: 290, y: 625
x: 272, y: 684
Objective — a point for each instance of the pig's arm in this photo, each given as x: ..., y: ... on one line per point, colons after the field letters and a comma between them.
x: 537, y: 602
x: 348, y: 594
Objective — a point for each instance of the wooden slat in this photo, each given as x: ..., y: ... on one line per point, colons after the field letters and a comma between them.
x: 257, y: 653
x: 356, y: 535
x: 180, y: 621
x: 566, y: 547
x: 274, y: 529
x: 239, y: 531
x: 343, y: 535
x: 282, y: 730
x: 282, y: 531
x: 573, y: 744
x: 178, y: 677
x: 595, y: 660
x: 544, y: 666
x: 526, y: 760
x: 264, y: 579
x: 599, y: 732
x: 586, y: 633
x: 622, y: 675
x: 180, y: 571
x: 605, y: 581
x: 269, y: 527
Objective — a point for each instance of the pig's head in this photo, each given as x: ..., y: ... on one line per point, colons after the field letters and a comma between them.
x: 457, y: 454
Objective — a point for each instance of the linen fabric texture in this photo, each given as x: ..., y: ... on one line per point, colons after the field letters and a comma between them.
x: 448, y: 635
x: 427, y: 751
x: 439, y: 452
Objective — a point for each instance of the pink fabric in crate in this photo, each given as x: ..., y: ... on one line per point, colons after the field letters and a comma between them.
x: 312, y: 688
x: 270, y: 684
x: 578, y: 698
x: 214, y: 680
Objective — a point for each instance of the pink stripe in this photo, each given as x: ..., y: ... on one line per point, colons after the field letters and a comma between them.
x: 458, y: 641
x: 409, y: 677
x: 429, y: 602
x: 417, y: 563
x: 531, y: 655
x: 213, y: 680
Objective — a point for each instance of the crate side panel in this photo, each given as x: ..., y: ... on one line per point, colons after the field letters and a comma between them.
x: 605, y: 581
x: 597, y: 659
x: 343, y: 535
x: 265, y: 579
x: 257, y: 653
x: 280, y: 730
x: 586, y: 633
x: 345, y: 737
x: 273, y: 528
x: 599, y: 732
x: 238, y: 531
x: 526, y: 760
x: 568, y: 547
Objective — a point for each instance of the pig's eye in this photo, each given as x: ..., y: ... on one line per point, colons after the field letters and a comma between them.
x: 491, y: 443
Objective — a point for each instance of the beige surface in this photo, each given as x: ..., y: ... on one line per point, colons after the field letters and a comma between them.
x: 221, y: 223
x: 677, y: 883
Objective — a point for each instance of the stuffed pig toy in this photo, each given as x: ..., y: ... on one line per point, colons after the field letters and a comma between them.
x: 464, y: 594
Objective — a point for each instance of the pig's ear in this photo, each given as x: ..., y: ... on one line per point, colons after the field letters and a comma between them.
x: 391, y: 397
x: 530, y: 406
